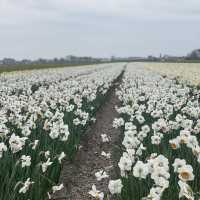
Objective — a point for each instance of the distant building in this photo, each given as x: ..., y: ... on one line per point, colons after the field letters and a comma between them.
x: 152, y: 58
x: 105, y: 59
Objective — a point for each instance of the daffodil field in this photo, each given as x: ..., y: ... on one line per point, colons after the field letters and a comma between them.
x: 44, y: 114
x: 160, y: 125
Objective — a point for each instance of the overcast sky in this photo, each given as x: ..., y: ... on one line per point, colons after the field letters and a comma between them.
x: 56, y: 28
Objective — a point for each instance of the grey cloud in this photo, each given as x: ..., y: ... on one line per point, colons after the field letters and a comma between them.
x: 48, y: 28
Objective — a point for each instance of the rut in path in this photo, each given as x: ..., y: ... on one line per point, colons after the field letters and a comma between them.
x: 79, y: 177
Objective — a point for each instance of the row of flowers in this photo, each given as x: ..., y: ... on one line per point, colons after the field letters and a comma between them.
x: 26, y: 82
x: 160, y: 151
x: 187, y: 72
x: 40, y: 127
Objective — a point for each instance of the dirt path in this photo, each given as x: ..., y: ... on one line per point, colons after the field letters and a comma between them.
x: 79, y: 177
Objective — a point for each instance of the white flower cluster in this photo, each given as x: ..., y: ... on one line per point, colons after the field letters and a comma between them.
x: 187, y: 72
x: 160, y: 121
x: 43, y: 113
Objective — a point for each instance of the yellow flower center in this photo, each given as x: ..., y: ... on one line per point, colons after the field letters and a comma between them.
x: 97, y: 196
x: 173, y: 146
x: 185, y: 175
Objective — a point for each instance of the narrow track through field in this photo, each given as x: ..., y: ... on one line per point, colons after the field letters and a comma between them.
x: 79, y: 177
